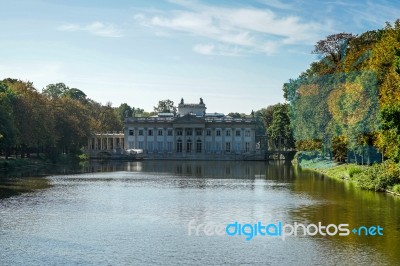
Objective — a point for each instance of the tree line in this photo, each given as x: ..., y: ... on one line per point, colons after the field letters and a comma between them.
x: 348, y: 101
x: 57, y: 120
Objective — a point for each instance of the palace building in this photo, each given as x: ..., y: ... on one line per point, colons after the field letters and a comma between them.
x: 191, y: 133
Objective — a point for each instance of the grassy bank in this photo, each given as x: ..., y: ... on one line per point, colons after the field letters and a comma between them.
x: 379, y: 177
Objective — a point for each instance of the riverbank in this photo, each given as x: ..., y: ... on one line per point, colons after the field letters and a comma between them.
x: 383, y: 177
x: 21, y: 164
x: 34, y: 162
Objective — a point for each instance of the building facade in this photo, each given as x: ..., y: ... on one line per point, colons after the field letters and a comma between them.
x: 191, y: 133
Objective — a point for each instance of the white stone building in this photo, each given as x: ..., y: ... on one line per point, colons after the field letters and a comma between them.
x: 191, y: 133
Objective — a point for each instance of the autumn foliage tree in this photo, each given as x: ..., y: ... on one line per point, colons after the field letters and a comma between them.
x: 349, y: 98
x: 56, y: 121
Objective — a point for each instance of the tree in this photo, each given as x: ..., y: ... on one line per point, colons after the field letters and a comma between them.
x: 75, y: 94
x: 7, y: 129
x: 165, y: 106
x: 124, y: 111
x: 279, y: 129
x: 342, y: 98
x: 104, y: 118
x: 234, y: 115
x: 334, y: 47
x: 72, y: 124
x: 33, y: 120
x: 53, y: 91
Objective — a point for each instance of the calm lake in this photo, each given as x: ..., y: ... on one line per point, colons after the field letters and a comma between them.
x: 138, y: 213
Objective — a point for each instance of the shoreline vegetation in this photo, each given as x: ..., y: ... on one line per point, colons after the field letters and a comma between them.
x: 345, y: 109
x: 33, y: 162
x: 380, y: 177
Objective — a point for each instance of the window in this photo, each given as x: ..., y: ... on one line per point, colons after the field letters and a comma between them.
x: 198, y: 146
x: 179, y: 132
x: 237, y: 133
x: 160, y: 146
x: 150, y: 146
x: 247, y: 146
x: 169, y: 146
x: 160, y: 132
x: 199, y: 132
x: 237, y: 147
x: 169, y: 132
x: 179, y: 146
x: 228, y: 132
x: 228, y: 147
x: 141, y: 145
x: 150, y: 132
x: 140, y: 132
x: 218, y: 146
x: 189, y: 132
x: 130, y: 132
x: 189, y: 146
x: 208, y: 146
x: 218, y: 132
x: 247, y: 133
x: 208, y: 132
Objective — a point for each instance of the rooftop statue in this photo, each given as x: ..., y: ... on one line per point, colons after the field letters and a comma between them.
x: 201, y: 101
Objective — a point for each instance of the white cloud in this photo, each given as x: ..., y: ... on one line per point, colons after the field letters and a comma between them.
x: 221, y: 49
x: 206, y: 49
x: 256, y: 30
x: 95, y: 28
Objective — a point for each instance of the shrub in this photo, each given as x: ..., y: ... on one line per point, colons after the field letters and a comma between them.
x: 396, y: 188
x: 378, y: 176
x: 83, y: 157
x: 354, y: 170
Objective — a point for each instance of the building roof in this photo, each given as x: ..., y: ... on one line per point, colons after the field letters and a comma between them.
x: 206, y: 119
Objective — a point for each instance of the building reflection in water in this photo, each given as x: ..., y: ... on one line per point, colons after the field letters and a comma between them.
x: 270, y: 170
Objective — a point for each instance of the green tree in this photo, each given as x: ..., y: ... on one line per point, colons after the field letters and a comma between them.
x: 55, y: 90
x: 33, y: 118
x: 279, y: 130
x: 104, y: 118
x: 7, y: 130
x: 124, y: 111
x: 238, y: 115
x: 72, y: 124
x: 75, y: 94
x: 165, y: 106
x: 334, y: 48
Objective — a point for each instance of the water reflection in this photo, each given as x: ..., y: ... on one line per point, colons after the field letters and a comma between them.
x: 342, y: 202
x: 137, y: 212
x: 204, y: 169
x: 15, y: 186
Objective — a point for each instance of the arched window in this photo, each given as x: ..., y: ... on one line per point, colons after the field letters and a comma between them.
x: 179, y: 146
x: 198, y: 146
x: 189, y: 146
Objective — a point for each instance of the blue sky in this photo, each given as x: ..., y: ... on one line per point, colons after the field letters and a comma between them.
x: 234, y: 54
